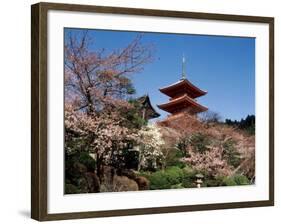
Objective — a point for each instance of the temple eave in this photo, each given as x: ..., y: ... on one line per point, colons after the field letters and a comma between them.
x: 193, y: 109
x: 181, y: 105
x: 183, y: 85
x: 148, y: 112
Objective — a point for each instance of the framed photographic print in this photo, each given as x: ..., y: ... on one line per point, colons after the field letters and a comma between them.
x: 139, y: 111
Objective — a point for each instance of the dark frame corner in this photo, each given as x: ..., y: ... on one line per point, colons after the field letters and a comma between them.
x: 39, y: 110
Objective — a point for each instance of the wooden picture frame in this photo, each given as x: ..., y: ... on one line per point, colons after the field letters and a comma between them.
x: 39, y: 108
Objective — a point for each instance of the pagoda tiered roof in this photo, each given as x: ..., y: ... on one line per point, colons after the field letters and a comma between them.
x: 182, y: 96
x: 182, y: 87
x: 182, y: 103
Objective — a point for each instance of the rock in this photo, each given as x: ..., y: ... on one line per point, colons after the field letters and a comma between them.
x: 123, y: 183
x: 93, y: 182
x: 118, y: 180
x: 128, y: 173
x: 82, y: 185
x: 143, y: 183
x: 80, y: 167
x: 107, y: 174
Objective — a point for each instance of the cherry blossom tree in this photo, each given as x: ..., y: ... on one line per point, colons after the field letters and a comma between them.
x: 150, y: 146
x: 97, y: 86
x: 101, y: 136
x: 95, y: 79
x: 211, y: 161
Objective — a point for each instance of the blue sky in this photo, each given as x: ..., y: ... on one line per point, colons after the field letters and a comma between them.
x: 223, y: 66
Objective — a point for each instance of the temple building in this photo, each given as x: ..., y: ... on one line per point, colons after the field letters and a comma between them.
x: 183, y: 96
x: 147, y: 112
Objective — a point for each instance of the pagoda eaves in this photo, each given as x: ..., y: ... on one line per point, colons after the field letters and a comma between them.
x: 182, y: 103
x: 182, y: 87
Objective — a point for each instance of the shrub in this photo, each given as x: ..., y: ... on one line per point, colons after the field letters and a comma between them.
x: 87, y: 160
x: 178, y: 164
x: 236, y: 180
x: 174, y: 175
x: 213, y: 181
x: 165, y: 179
x: 71, y: 189
x: 200, y: 142
x: 76, y: 166
x: 173, y: 158
x: 145, y: 174
x: 158, y: 180
x: 230, y: 153
x: 229, y: 182
x: 177, y: 186
x: 241, y: 180
x: 182, y: 146
x: 188, y: 179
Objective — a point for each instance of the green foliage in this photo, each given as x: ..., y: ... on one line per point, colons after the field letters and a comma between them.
x: 71, y: 189
x: 229, y: 182
x: 200, y: 142
x: 182, y: 145
x: 250, y: 130
x: 87, y: 160
x: 133, y: 115
x: 76, y: 165
x: 177, y: 186
x: 165, y: 179
x: 75, y: 143
x: 241, y: 180
x: 174, y: 175
x: 71, y: 170
x: 188, y: 180
x: 230, y: 153
x: 127, y: 85
x: 173, y: 158
x: 158, y: 180
x: 236, y: 180
x: 145, y: 174
x: 177, y: 163
x: 135, y: 119
x: 125, y: 158
x: 247, y: 124
x: 213, y: 181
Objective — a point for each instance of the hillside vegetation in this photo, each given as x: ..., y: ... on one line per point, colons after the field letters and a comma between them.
x: 223, y: 153
x: 169, y: 154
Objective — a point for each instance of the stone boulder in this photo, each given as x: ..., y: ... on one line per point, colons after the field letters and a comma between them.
x: 123, y: 183
x: 92, y: 182
x: 143, y: 183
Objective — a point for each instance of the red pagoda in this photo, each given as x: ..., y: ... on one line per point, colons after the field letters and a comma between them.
x: 183, y: 96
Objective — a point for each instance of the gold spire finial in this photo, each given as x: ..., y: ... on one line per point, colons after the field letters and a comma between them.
x: 183, y: 74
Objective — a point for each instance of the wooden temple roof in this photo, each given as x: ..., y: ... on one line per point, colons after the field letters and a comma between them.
x: 150, y: 112
x: 183, y: 102
x: 181, y: 87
